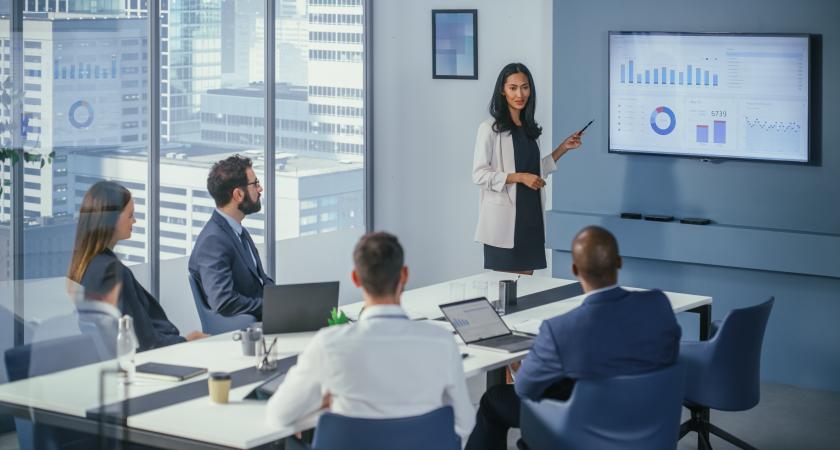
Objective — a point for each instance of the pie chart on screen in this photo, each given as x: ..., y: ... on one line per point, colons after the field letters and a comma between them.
x: 663, y: 120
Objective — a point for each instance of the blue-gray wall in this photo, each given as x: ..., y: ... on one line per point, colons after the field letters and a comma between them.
x: 802, y: 344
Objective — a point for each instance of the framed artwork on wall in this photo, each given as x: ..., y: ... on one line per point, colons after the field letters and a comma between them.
x: 455, y: 44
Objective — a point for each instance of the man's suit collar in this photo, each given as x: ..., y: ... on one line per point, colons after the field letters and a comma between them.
x: 223, y: 223
x: 607, y: 294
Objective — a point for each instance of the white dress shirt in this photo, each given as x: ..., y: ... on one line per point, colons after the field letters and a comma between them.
x: 384, y: 366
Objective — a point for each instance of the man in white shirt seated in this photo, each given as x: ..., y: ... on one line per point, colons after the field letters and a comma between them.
x: 383, y: 366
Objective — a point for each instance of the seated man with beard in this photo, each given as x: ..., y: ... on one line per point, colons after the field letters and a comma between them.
x: 225, y: 261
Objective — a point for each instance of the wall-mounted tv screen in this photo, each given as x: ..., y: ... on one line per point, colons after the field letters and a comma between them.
x: 716, y: 96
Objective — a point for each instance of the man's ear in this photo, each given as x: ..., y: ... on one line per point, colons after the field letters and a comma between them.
x: 404, y: 275
x: 575, y: 271
x: 355, y: 278
x: 618, y: 262
x: 237, y: 195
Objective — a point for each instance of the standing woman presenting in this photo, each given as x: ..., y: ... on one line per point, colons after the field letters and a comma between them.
x: 508, y: 168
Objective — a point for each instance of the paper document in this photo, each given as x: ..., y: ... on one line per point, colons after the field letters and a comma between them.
x: 530, y: 326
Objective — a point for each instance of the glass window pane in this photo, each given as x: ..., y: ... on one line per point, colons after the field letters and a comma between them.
x: 84, y: 120
x: 76, y: 85
x: 212, y: 106
x: 320, y: 137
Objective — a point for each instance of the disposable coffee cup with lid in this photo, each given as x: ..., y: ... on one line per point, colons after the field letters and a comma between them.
x: 218, y: 383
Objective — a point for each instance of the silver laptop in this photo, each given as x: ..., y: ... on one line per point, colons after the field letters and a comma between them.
x: 479, y: 325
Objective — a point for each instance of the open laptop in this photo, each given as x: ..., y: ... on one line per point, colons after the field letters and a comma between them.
x: 479, y: 325
x: 295, y: 308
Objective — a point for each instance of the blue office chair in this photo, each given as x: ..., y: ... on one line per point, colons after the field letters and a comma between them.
x: 723, y: 373
x: 433, y: 430
x: 42, y: 358
x: 625, y: 412
x: 211, y: 322
x: 7, y: 325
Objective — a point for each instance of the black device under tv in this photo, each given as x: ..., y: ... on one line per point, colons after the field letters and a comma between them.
x: 659, y: 218
x: 695, y: 221
x: 712, y: 96
x: 631, y: 215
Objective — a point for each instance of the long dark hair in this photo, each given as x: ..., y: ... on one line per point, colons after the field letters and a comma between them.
x: 98, y: 216
x: 499, y: 106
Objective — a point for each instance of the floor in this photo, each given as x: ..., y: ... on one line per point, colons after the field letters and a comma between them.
x: 8, y: 441
x: 787, y: 418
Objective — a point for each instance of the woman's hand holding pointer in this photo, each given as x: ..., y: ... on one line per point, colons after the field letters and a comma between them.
x: 572, y: 142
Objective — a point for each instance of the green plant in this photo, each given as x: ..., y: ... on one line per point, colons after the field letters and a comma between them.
x: 337, y: 317
x: 7, y: 152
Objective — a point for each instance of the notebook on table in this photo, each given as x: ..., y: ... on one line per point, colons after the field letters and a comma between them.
x: 170, y: 372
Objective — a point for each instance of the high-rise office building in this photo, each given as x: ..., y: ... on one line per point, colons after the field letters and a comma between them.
x: 191, y: 56
x: 74, y: 6
x: 305, y: 204
x: 84, y: 83
x: 233, y: 117
x: 241, y: 47
x: 336, y: 75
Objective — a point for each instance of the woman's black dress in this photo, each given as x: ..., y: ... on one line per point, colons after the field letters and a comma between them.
x: 152, y: 327
x: 528, y: 252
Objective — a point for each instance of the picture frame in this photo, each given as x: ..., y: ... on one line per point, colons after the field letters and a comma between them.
x: 455, y: 44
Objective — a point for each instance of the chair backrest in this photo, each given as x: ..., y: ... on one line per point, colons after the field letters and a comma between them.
x: 624, y: 412
x: 43, y: 358
x: 726, y: 374
x: 433, y: 430
x: 8, y: 320
x: 211, y: 322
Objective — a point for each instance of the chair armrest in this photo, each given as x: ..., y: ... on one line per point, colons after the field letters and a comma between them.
x: 695, y: 357
x: 695, y: 353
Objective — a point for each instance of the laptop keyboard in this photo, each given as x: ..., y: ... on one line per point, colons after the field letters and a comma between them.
x: 503, y: 340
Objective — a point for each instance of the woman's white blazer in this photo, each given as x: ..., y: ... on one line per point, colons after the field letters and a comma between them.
x: 492, y: 162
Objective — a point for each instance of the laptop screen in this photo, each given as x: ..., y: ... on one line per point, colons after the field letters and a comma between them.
x: 295, y: 308
x: 474, y: 319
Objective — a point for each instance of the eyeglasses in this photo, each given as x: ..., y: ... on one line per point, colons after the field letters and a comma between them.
x: 256, y: 183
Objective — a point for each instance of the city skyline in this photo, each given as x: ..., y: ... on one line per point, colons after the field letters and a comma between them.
x: 86, y: 98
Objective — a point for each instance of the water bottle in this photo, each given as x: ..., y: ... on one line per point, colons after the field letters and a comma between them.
x: 126, y: 347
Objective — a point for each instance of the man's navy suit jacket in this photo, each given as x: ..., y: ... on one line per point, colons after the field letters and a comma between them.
x: 614, y: 332
x: 226, y: 274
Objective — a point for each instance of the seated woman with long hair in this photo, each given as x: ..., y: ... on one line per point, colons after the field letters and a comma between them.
x: 105, y: 218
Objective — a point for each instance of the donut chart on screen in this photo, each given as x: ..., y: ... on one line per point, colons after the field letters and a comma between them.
x: 672, y: 120
x: 80, y: 114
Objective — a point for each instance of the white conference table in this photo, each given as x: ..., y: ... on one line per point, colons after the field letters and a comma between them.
x: 64, y: 398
